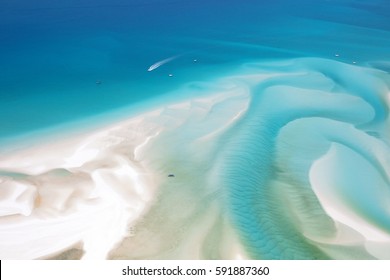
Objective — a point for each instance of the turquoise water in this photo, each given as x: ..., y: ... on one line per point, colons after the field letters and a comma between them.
x: 72, y: 64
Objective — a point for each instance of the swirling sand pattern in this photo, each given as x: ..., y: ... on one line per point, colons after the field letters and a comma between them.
x: 294, y: 119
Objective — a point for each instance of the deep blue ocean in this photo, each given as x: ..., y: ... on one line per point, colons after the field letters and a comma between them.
x: 65, y: 61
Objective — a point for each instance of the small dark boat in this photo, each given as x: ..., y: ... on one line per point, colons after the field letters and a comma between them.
x: 171, y: 175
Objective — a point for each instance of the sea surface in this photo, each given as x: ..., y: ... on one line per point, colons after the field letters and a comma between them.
x: 62, y: 61
x: 75, y: 65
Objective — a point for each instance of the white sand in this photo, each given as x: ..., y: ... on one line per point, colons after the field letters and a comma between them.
x: 91, y: 187
x: 330, y: 185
